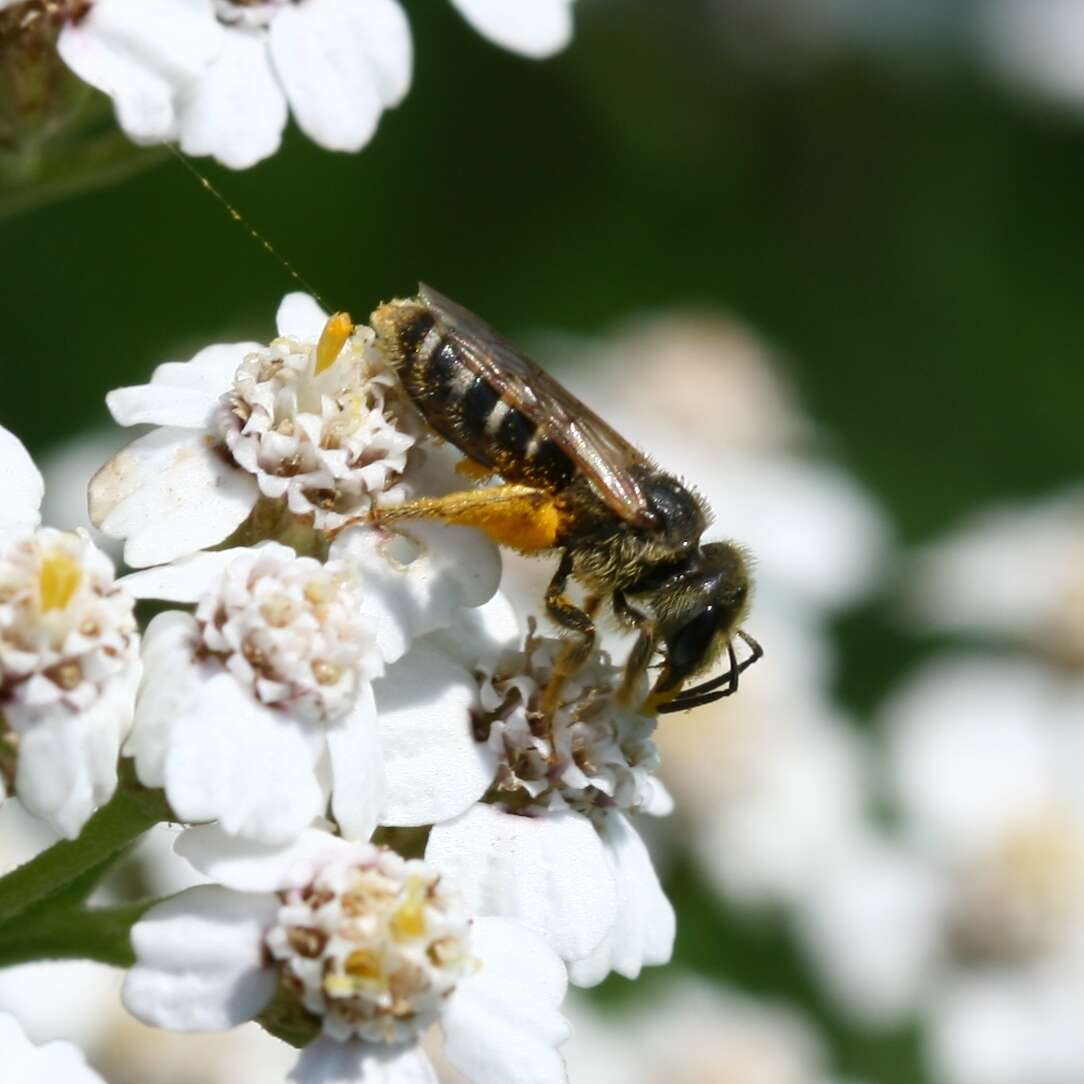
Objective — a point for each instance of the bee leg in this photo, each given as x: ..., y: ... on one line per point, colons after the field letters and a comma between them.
x: 642, y: 650
x: 522, y: 517
x: 575, y: 652
x: 723, y: 685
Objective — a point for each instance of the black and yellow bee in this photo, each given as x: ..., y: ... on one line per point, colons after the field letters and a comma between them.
x: 627, y: 531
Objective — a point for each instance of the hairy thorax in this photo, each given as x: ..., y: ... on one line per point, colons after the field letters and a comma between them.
x: 609, y: 553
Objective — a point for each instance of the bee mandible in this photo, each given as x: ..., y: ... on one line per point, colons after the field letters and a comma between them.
x: 627, y: 531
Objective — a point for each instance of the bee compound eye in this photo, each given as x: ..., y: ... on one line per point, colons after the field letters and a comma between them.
x: 691, y: 642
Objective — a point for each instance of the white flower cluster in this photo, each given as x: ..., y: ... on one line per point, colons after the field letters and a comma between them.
x: 69, y: 658
x: 291, y: 629
x: 597, y: 755
x: 318, y: 437
x: 318, y: 687
x: 373, y: 946
x: 221, y: 76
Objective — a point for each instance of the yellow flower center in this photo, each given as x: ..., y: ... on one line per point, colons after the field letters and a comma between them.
x: 58, y: 580
x: 408, y: 922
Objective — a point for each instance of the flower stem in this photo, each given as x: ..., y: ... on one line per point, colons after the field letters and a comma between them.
x: 72, y: 933
x: 62, y: 872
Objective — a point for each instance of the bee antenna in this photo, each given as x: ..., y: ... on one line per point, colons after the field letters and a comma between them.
x: 251, y: 230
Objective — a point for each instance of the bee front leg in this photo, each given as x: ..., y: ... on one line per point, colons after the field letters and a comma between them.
x: 575, y: 652
x: 642, y: 650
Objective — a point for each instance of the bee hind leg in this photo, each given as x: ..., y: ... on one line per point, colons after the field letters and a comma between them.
x: 522, y: 517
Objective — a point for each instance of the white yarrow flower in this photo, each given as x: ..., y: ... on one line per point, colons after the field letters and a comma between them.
x: 374, y: 948
x: 563, y: 804
x: 272, y: 698
x: 69, y: 660
x: 983, y: 887
x: 304, y: 424
x: 25, y: 1063
x: 219, y: 76
x: 243, y: 699
x: 1015, y: 571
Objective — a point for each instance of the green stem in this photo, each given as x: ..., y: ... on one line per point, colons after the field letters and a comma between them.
x: 131, y: 811
x: 73, y: 933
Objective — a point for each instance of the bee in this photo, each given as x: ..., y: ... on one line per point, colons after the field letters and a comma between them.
x: 625, y: 530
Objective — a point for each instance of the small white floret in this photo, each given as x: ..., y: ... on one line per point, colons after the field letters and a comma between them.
x: 69, y: 666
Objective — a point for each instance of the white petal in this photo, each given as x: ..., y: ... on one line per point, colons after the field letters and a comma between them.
x: 550, y: 872
x: 237, y: 111
x: 171, y: 682
x: 185, y: 580
x: 25, y: 1063
x: 659, y: 801
x: 644, y: 931
x: 329, y: 1062
x: 182, y: 393
x: 140, y: 53
x: 248, y: 866
x: 168, y: 494
x: 478, y: 632
x: 535, y: 28
x: 23, y: 486
x: 435, y: 768
x: 382, y: 27
x: 210, y: 370
x: 321, y: 60
x: 360, y: 788
x: 245, y: 765
x: 153, y: 404
x: 200, y: 960
x: 67, y: 764
x: 502, y: 1023
x: 300, y: 317
x: 415, y: 580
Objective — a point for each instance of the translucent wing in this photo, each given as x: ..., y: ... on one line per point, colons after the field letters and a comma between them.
x: 596, y: 449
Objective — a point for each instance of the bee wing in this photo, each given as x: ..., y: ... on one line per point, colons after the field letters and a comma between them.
x: 596, y: 448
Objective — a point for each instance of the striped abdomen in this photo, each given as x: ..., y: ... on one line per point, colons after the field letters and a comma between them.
x: 463, y: 406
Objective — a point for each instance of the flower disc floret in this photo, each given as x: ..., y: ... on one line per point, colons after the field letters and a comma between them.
x: 324, y: 439
x: 66, y: 628
x: 601, y: 755
x: 373, y: 947
x: 291, y: 629
x: 1021, y: 899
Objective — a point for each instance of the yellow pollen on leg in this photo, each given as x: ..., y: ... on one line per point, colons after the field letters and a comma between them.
x: 336, y: 331
x: 58, y: 580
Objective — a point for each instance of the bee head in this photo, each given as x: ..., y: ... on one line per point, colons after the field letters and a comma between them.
x: 707, y: 607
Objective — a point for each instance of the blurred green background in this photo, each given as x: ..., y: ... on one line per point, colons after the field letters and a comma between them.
x: 908, y: 233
